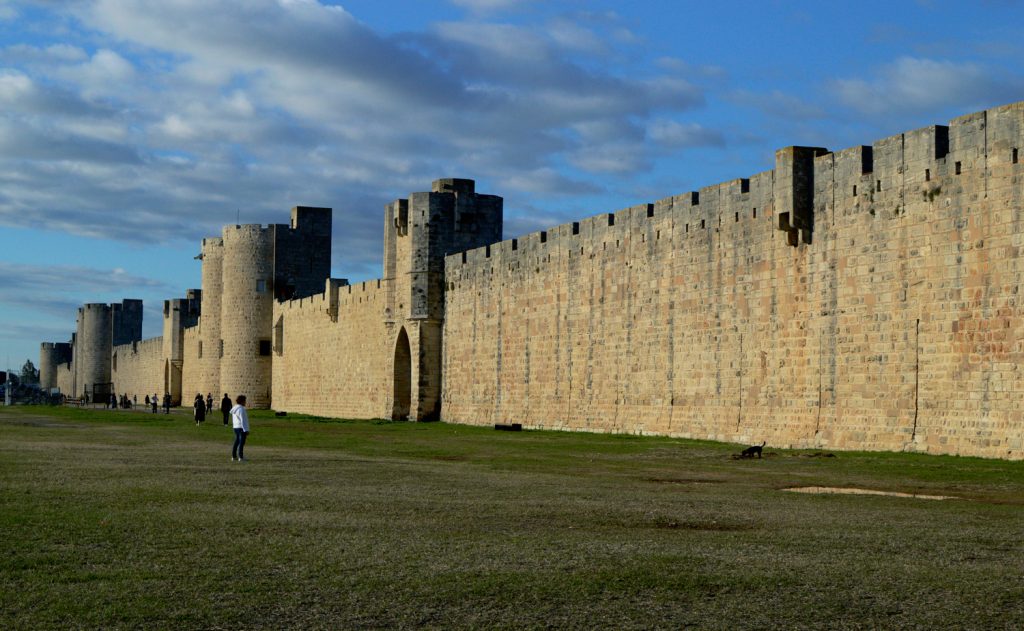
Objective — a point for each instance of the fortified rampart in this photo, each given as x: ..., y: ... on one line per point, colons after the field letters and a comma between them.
x: 864, y: 299
x: 859, y: 299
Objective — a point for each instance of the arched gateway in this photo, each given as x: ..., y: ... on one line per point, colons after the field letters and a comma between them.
x: 402, y: 378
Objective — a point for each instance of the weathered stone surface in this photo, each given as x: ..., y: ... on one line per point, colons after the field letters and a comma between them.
x: 862, y: 299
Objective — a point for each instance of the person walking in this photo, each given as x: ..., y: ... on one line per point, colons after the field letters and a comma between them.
x: 199, y: 409
x: 154, y: 402
x: 225, y: 408
x: 209, y: 403
x: 167, y: 403
x: 240, y: 422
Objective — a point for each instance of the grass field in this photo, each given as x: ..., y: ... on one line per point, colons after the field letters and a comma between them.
x: 112, y: 519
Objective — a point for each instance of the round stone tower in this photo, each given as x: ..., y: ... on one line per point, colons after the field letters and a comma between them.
x: 93, y: 347
x: 51, y: 356
x: 247, y: 309
x: 209, y: 318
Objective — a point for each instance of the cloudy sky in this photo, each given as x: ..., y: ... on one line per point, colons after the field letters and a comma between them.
x: 130, y: 129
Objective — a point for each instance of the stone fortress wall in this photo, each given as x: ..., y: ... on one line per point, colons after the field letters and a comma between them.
x: 373, y: 350
x: 223, y: 349
x: 863, y: 299
x: 858, y: 299
x: 138, y: 368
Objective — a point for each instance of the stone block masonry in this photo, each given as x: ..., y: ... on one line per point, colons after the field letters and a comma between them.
x: 866, y: 298
x: 863, y: 299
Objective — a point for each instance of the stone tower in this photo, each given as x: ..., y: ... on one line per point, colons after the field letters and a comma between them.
x: 418, y: 233
x: 52, y: 355
x: 99, y: 328
x: 247, y: 312
x: 244, y: 272
x: 179, y: 314
x: 211, y: 344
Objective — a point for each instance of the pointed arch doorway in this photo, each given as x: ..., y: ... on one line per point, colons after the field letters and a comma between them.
x: 402, y: 378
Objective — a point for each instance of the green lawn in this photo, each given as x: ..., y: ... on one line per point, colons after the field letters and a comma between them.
x: 112, y: 519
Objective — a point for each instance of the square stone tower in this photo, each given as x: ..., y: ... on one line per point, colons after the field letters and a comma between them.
x: 418, y: 233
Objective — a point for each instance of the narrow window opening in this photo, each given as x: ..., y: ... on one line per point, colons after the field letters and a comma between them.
x: 200, y: 353
x: 220, y: 348
x: 575, y: 227
x: 611, y: 219
x: 515, y: 245
x: 544, y: 236
x: 487, y: 251
x: 755, y: 213
x: 958, y: 168
x: 687, y: 227
x: 658, y: 237
x: 264, y: 348
x: 878, y: 186
x: 463, y: 258
x: 927, y: 175
x: 650, y: 210
x: 1013, y: 155
x: 854, y: 190
x: 702, y: 224
x: 737, y: 217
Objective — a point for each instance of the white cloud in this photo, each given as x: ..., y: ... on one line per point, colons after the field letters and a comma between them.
x: 106, y: 74
x: 916, y: 85
x: 489, y: 6
x: 183, y: 112
x: 55, y: 53
x: 674, y: 134
x: 778, y: 104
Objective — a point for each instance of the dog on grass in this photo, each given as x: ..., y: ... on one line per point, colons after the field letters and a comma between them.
x: 749, y: 452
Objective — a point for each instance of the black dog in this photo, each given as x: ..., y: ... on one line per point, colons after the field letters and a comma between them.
x: 753, y: 449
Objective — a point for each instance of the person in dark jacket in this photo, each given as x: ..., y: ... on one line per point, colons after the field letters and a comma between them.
x: 167, y: 403
x: 199, y: 409
x: 225, y: 408
x: 209, y: 403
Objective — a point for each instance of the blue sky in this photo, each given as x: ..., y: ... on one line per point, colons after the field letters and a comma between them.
x: 130, y: 129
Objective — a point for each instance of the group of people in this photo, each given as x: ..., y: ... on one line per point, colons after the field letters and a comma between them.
x: 122, y: 402
x: 236, y: 413
x: 202, y: 407
x: 154, y: 402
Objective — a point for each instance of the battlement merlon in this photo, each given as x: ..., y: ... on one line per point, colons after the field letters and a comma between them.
x: 794, y: 185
